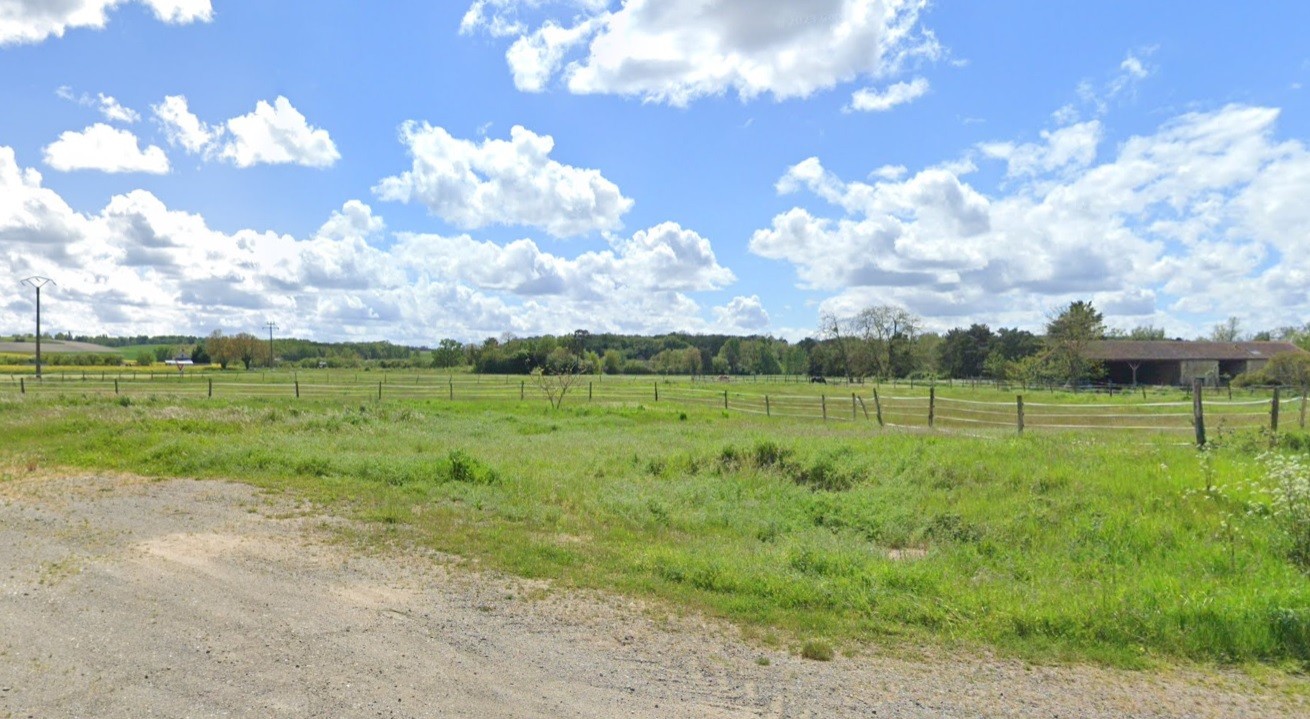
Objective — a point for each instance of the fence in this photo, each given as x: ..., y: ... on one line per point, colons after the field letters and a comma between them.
x: 895, y: 407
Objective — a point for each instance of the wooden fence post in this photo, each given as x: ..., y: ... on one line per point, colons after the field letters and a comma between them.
x: 297, y: 388
x: 450, y: 383
x: 1018, y: 401
x: 22, y: 386
x: 211, y: 387
x: 865, y: 409
x: 1198, y: 413
x: 1273, y: 412
x: 379, y: 391
x: 877, y: 407
x: 854, y: 409
x: 823, y: 401
x: 725, y: 399
x: 522, y: 385
x: 932, y: 406
x: 589, y: 391
x: 769, y: 413
x: 657, y: 391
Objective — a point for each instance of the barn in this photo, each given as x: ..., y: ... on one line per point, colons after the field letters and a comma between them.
x: 1176, y: 362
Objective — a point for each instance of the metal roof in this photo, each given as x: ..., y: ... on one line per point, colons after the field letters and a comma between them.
x: 1175, y: 350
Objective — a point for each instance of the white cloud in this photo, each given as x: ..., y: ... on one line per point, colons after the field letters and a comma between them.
x: 140, y: 266
x: 181, y: 126
x: 1183, y: 220
x: 742, y: 315
x: 182, y: 11
x: 1073, y: 146
x: 499, y: 182
x: 676, y: 51
x: 104, y: 148
x: 870, y: 100
x: 275, y: 134
x: 31, y: 21
x: 1131, y: 72
x: 109, y: 107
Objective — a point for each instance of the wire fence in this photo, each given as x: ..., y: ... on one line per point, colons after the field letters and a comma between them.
x: 948, y: 409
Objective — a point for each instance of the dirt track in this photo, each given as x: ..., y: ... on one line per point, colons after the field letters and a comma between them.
x: 129, y: 598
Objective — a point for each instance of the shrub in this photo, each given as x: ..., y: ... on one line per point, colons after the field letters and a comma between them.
x: 466, y: 469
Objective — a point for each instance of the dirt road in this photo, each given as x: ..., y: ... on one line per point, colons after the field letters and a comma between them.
x: 121, y: 597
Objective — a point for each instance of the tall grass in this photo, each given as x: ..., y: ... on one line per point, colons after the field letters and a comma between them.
x: 1049, y: 547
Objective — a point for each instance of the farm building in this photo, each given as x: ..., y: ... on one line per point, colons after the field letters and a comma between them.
x: 1174, y: 362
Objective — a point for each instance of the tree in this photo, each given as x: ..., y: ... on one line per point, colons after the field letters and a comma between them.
x: 1067, y: 336
x: 963, y: 353
x: 832, y: 328
x: 245, y: 347
x: 1230, y: 330
x: 613, y: 362
x: 449, y: 353
x: 796, y: 360
x: 221, y: 349
x: 145, y: 358
x: 884, y: 331
x: 199, y: 355
x: 731, y: 352
x: 561, y: 371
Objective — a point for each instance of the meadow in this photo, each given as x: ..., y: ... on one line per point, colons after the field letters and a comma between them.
x: 1128, y: 548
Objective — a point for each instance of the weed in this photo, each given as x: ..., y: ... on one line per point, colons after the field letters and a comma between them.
x: 818, y: 650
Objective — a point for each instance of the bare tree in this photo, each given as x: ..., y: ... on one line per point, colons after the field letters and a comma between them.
x: 830, y: 328
x: 1230, y: 330
x: 561, y: 371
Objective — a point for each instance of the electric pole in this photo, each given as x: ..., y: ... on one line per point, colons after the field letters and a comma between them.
x: 38, y: 283
x: 271, y: 327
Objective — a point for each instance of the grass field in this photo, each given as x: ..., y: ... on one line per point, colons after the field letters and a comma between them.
x: 1051, y: 546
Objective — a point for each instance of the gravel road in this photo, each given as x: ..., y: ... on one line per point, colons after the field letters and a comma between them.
x: 124, y: 597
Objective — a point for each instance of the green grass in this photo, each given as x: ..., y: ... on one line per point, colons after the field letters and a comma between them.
x: 1046, y: 547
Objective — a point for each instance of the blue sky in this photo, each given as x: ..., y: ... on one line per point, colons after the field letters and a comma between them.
x: 419, y: 170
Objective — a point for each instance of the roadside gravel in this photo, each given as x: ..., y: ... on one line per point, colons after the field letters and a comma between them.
x: 125, y: 597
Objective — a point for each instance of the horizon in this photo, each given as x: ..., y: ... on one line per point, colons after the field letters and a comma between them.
x: 477, y: 168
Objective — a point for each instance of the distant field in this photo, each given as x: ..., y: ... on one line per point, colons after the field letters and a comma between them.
x: 52, y: 346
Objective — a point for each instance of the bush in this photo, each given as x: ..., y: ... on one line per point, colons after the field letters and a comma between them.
x: 145, y: 358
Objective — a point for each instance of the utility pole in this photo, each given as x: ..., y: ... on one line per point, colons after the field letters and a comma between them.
x: 271, y: 327
x: 38, y: 283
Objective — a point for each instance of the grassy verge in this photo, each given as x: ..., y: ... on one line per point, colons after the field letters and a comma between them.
x: 1050, y: 548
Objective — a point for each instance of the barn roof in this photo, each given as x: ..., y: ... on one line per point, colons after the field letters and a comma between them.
x: 1175, y: 350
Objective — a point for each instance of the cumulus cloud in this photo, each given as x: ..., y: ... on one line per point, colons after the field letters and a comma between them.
x: 273, y: 134
x: 181, y: 126
x: 870, y: 100
x: 32, y: 21
x: 503, y: 182
x: 742, y: 315
x: 139, y: 266
x: 1180, y: 220
x: 675, y: 51
x: 104, y: 148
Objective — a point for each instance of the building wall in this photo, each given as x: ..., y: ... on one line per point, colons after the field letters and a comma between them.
x: 1191, y: 369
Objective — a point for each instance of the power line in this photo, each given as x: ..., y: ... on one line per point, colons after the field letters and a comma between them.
x: 38, y: 282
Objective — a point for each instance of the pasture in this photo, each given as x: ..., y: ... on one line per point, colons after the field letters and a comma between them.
x: 1093, y: 543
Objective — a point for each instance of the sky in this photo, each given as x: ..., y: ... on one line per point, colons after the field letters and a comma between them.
x: 416, y: 170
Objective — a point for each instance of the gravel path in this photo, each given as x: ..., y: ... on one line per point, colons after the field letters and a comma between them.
x: 122, y: 597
